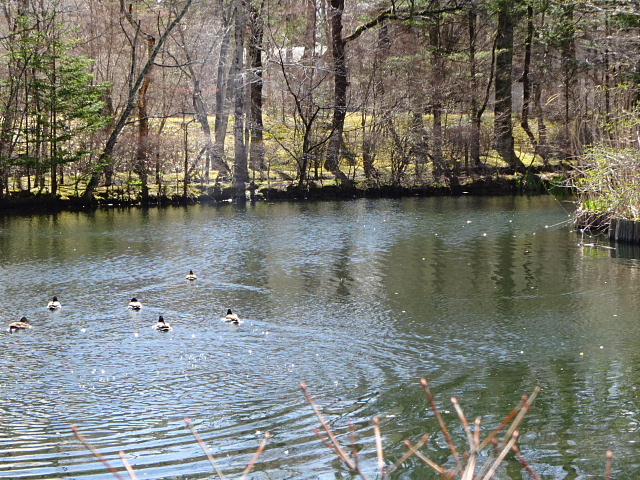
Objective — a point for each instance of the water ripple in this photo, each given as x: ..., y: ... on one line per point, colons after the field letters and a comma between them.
x: 357, y: 299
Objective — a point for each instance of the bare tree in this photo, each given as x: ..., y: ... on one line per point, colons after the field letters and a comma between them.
x: 105, y: 160
x: 195, y: 68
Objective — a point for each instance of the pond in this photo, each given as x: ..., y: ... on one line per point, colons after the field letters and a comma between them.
x: 485, y: 297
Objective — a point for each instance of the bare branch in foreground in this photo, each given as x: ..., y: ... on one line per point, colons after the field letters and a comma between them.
x: 96, y: 453
x: 609, y: 469
x: 335, y: 444
x: 354, y: 448
x: 524, y: 463
x: 256, y: 455
x: 443, y: 427
x: 412, y: 451
x: 205, y: 449
x: 466, y: 465
x: 125, y: 462
x: 376, y: 430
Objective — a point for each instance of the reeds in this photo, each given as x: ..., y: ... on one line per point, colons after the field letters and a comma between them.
x: 469, y: 465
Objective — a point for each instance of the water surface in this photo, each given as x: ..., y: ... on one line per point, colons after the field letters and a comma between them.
x: 485, y: 297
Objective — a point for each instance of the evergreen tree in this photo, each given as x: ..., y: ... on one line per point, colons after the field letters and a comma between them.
x: 58, y: 103
x: 72, y: 105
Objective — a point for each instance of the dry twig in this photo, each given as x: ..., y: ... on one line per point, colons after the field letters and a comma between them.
x: 376, y: 430
x: 96, y: 453
x: 524, y: 463
x: 332, y: 442
x: 425, y: 459
x: 354, y: 448
x: 412, y: 451
x: 125, y: 462
x: 466, y: 465
x: 609, y: 468
x: 443, y: 427
x: 490, y: 438
x: 254, y: 459
x: 204, y: 447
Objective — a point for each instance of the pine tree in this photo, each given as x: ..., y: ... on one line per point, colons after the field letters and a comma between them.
x: 59, y: 102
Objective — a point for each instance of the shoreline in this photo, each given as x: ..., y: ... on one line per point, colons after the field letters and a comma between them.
x: 27, y: 202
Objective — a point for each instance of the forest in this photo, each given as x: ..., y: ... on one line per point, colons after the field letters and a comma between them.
x: 137, y: 100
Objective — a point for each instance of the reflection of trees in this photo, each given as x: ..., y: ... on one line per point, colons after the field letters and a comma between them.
x: 324, y: 263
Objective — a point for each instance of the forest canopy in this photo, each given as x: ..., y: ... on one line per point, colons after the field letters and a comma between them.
x: 143, y: 99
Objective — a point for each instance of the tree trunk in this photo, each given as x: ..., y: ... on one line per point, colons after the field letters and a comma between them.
x: 526, y: 81
x: 543, y: 146
x: 142, y: 149
x: 308, y: 110
x: 240, y: 170
x: 10, y: 103
x: 332, y: 162
x: 53, y: 142
x: 474, y: 136
x: 436, y: 96
x: 371, y: 133
x: 569, y: 66
x: 6, y: 135
x: 202, y: 117
x: 503, y: 123
x: 256, y: 125
x: 527, y: 86
x: 222, y: 79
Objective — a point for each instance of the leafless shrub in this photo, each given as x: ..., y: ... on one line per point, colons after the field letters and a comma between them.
x: 503, y: 439
x: 469, y: 465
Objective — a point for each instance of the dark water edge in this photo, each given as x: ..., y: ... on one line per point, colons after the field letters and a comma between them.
x: 29, y: 202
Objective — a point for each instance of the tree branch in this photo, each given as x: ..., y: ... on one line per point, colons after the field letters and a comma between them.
x: 392, y: 14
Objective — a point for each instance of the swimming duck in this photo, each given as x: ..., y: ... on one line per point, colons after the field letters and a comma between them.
x: 22, y: 324
x: 54, y: 304
x: 162, y: 325
x: 134, y: 304
x: 191, y: 275
x: 232, y: 317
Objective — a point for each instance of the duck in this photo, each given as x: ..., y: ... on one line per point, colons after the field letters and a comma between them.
x: 232, y: 318
x: 162, y: 325
x: 191, y: 275
x: 22, y: 324
x: 54, y: 304
x: 134, y: 304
